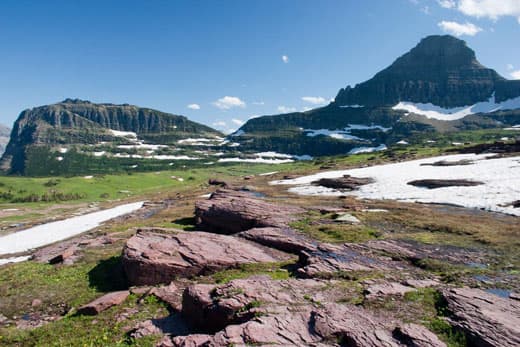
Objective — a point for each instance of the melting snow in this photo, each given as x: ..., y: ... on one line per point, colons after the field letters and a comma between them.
x: 41, y: 235
x: 345, y: 133
x: 367, y: 149
x: 123, y: 133
x: 14, y: 260
x: 432, y: 111
x: 501, y: 179
x: 255, y: 160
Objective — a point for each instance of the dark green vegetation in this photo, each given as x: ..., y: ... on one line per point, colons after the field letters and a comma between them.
x: 440, y: 70
x: 77, y: 122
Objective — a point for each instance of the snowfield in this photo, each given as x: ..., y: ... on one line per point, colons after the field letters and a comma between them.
x: 45, y: 234
x: 437, y: 112
x: 345, y: 133
x: 501, y: 178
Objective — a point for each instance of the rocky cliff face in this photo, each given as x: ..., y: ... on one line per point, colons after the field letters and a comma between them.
x: 440, y: 70
x: 4, y: 137
x: 75, y: 121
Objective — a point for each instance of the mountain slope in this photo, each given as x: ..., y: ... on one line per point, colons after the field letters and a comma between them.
x: 78, y: 122
x: 439, y: 85
x: 4, y: 137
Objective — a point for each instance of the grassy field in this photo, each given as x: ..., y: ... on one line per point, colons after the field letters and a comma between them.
x: 62, y: 288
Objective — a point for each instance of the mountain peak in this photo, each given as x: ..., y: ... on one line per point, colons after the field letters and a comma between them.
x: 441, y: 49
x: 441, y: 70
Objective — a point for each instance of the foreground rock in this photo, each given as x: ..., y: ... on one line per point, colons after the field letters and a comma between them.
x: 286, y: 239
x: 103, y: 303
x: 438, y: 183
x: 328, y: 261
x: 260, y: 311
x: 151, y: 258
x: 346, y: 182
x: 212, y: 308
x: 230, y: 212
x: 486, y: 319
x: 377, y: 290
x: 416, y: 251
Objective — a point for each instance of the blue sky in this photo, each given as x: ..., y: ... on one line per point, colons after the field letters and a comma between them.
x: 226, y: 58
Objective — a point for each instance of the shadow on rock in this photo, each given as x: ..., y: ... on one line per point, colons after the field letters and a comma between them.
x: 108, y: 275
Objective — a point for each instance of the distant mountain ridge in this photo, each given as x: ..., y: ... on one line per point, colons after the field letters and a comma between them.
x: 5, y: 132
x: 440, y: 73
x: 75, y: 121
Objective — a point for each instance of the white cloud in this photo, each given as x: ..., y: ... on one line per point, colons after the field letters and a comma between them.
x: 459, y: 29
x: 515, y: 74
x: 219, y: 124
x: 194, y: 106
x: 285, y: 59
x: 237, y: 121
x: 447, y: 3
x: 492, y: 9
x: 258, y: 103
x: 285, y: 109
x: 510, y: 66
x: 228, y: 102
x: 315, y: 100
x: 425, y: 10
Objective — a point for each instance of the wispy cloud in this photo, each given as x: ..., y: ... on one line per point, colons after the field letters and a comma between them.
x: 228, y: 102
x: 492, y: 9
x: 237, y: 121
x: 447, y: 3
x: 285, y: 109
x: 258, y: 103
x: 194, y: 106
x: 219, y: 123
x: 314, y: 100
x: 285, y: 59
x: 459, y: 29
x: 510, y: 67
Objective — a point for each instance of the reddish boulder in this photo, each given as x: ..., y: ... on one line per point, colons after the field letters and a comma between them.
x: 230, y: 212
x: 283, y: 239
x: 103, y: 303
x: 151, y: 258
x: 486, y: 319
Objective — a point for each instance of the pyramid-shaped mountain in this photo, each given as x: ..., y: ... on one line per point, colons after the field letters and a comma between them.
x: 439, y: 85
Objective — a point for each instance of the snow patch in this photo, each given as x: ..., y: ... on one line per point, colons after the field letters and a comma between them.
x: 367, y: 149
x: 352, y: 106
x: 432, y: 111
x: 41, y: 235
x: 501, y: 178
x: 255, y: 160
x: 14, y: 260
x: 123, y: 133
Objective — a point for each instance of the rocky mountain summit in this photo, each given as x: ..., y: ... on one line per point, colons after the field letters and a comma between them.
x: 438, y: 86
x: 83, y: 123
x: 441, y: 70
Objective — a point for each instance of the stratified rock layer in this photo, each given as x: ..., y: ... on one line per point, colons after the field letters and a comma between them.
x: 230, y: 212
x: 487, y: 320
x: 152, y: 258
